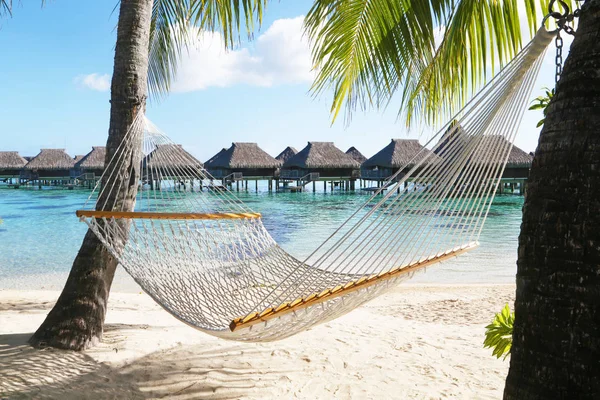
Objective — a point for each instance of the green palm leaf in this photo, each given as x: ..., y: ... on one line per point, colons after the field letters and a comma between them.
x: 5, y: 7
x: 498, y: 334
x: 177, y: 23
x: 365, y: 51
x: 169, y: 35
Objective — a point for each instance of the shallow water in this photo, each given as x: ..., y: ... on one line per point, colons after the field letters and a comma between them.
x: 40, y: 235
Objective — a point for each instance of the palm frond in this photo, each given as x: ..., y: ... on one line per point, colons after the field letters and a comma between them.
x: 6, y: 7
x: 226, y: 16
x: 479, y: 34
x: 363, y: 48
x: 176, y: 24
x: 169, y: 36
x: 367, y: 50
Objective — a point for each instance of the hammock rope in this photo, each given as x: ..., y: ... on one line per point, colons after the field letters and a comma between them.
x: 207, y: 258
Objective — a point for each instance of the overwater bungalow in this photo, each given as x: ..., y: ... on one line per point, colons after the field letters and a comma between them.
x: 208, y: 164
x: 90, y: 167
x: 357, y: 155
x: 92, y: 163
x: 517, y: 166
x: 321, y: 161
x: 11, y: 164
x: 168, y: 161
x: 171, y: 156
x: 286, y: 154
x: 243, y: 162
x: 399, y: 153
x: 50, y: 166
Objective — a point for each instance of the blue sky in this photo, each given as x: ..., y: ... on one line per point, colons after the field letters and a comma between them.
x: 56, y: 63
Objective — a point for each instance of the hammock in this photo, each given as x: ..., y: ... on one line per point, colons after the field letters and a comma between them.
x: 206, y: 257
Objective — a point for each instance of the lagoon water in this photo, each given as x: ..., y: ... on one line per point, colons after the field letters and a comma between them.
x: 40, y: 235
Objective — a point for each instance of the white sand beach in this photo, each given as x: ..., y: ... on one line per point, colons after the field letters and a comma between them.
x: 422, y: 342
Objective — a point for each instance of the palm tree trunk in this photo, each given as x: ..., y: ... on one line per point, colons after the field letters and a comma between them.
x: 77, y: 319
x: 556, y: 340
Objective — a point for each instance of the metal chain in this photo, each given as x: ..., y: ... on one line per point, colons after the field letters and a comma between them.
x: 559, y: 45
x: 564, y: 22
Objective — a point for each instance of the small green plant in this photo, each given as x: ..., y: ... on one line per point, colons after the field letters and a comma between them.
x: 498, y: 334
x: 541, y: 103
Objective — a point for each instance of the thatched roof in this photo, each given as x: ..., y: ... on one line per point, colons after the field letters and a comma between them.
x: 286, y: 154
x: 321, y: 155
x: 357, y: 155
x: 489, y: 143
x: 78, y: 158
x: 210, y: 161
x: 51, y: 159
x: 171, y: 155
x: 453, y: 134
x: 243, y: 155
x: 399, y: 153
x: 92, y: 160
x: 11, y: 160
x: 517, y: 158
x: 28, y: 158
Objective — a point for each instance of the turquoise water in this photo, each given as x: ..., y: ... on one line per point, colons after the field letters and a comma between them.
x: 40, y: 235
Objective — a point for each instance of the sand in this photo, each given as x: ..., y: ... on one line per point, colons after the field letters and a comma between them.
x: 422, y: 342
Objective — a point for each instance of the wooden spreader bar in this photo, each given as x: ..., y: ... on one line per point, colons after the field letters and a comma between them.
x: 162, y: 215
x: 338, y: 291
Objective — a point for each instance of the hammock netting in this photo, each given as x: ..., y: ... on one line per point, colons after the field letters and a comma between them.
x: 206, y: 257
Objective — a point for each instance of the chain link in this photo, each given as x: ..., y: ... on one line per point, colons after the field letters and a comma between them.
x: 564, y: 22
x: 559, y: 46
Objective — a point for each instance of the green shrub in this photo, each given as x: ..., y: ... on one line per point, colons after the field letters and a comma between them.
x: 498, y: 334
x: 541, y: 103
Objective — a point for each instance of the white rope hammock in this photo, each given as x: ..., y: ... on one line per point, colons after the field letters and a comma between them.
x: 206, y: 257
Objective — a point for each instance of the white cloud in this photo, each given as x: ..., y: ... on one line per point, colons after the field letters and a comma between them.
x: 94, y: 81
x: 279, y: 56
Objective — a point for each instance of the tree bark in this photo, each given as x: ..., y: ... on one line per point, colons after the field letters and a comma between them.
x: 556, y: 340
x: 77, y: 319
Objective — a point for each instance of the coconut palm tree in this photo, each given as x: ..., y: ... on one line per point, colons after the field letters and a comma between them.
x: 150, y: 38
x: 556, y: 337
x: 369, y: 51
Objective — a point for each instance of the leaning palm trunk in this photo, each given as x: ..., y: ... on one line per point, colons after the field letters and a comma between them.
x: 556, y: 339
x: 77, y: 319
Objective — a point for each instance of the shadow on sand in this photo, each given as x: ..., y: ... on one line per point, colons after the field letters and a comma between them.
x: 184, y: 372
x: 27, y: 373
